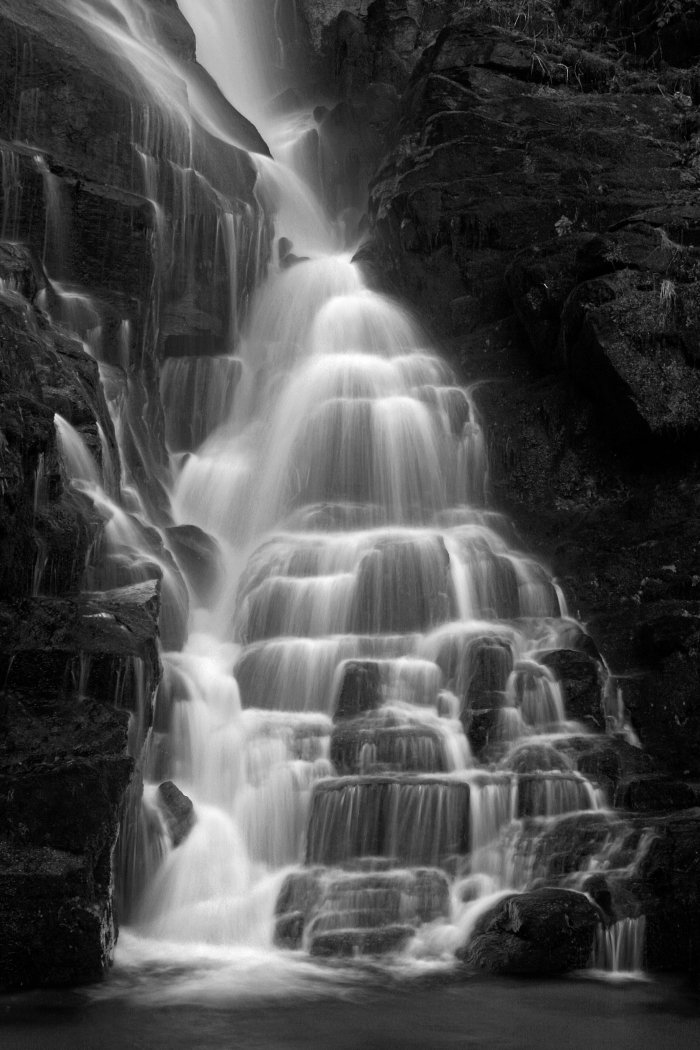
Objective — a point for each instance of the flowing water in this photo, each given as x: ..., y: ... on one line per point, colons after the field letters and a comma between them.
x: 367, y: 625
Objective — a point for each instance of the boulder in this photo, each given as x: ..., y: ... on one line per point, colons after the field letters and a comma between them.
x: 360, y: 689
x: 198, y: 555
x: 56, y: 921
x: 178, y: 811
x: 581, y: 679
x: 547, y: 931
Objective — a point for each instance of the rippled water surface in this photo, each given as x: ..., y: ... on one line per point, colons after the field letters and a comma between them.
x: 347, y: 1010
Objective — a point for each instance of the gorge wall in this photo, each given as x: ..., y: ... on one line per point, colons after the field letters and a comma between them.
x: 533, y: 179
x: 130, y: 236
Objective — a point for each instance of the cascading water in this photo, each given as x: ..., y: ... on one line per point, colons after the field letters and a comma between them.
x: 368, y: 620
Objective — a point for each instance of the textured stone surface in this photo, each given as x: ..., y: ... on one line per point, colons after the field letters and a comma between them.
x: 78, y: 675
x: 77, y: 191
x: 55, y: 917
x: 367, y: 913
x: 543, y: 932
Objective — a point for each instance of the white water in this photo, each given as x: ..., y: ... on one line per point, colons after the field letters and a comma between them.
x: 342, y: 474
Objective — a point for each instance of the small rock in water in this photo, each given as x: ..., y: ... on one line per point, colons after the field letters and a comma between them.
x: 178, y: 811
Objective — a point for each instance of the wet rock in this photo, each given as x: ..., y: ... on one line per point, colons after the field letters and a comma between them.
x: 547, y: 931
x: 177, y: 810
x: 352, y: 942
x: 83, y: 207
x: 56, y: 923
x: 581, y: 679
x: 532, y: 757
x: 20, y: 270
x: 492, y: 730
x: 359, y: 913
x: 199, y: 556
x: 299, y: 896
x: 360, y: 689
x: 84, y: 644
x: 607, y: 760
x: 552, y: 793
x: 374, y: 745
x: 64, y: 770
x: 45, y: 528
x: 289, y: 930
x: 666, y: 885
x: 417, y: 820
x: 402, y: 586
x: 567, y: 845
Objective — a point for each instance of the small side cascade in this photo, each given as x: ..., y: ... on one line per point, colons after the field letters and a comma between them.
x: 619, y: 948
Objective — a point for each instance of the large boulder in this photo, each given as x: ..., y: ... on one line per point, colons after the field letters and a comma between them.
x: 55, y: 917
x: 78, y: 676
x: 547, y: 931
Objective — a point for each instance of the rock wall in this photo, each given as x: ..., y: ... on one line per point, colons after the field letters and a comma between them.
x: 121, y: 223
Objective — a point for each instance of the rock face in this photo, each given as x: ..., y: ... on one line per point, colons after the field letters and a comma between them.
x: 78, y: 679
x: 122, y: 221
x: 98, y: 195
x: 544, y: 932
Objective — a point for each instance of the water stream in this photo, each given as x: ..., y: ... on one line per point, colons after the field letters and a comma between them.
x: 367, y: 628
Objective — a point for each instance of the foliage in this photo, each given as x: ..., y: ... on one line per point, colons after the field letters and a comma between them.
x: 533, y: 17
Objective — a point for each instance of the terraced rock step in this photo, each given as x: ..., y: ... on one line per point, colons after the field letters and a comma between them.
x: 343, y: 913
x: 374, y: 745
x: 417, y: 820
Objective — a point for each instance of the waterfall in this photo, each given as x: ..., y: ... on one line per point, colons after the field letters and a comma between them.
x: 367, y: 628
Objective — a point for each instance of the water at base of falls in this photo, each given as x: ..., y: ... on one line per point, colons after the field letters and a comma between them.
x: 368, y: 629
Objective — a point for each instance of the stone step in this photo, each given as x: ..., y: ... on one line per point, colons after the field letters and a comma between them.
x: 367, y: 746
x: 416, y: 819
x: 361, y: 942
x: 365, y: 685
x: 326, y: 909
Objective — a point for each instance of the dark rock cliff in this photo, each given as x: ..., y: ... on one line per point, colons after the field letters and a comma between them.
x: 121, y: 222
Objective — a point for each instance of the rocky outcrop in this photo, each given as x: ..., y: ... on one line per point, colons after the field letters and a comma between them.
x: 78, y: 676
x: 127, y: 200
x: 544, y: 932
x: 122, y: 220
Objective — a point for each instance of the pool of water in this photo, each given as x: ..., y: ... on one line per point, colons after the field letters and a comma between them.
x: 348, y: 1009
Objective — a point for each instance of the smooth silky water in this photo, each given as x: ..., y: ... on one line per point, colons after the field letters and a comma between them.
x: 340, y: 468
